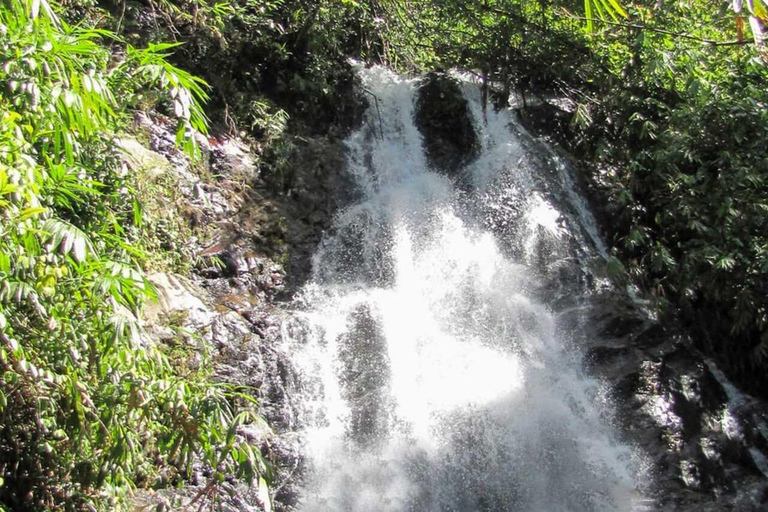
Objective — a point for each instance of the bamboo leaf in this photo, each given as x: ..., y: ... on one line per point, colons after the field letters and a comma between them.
x: 263, y: 494
x: 617, y: 8
x: 588, y: 13
x: 609, y: 9
x: 34, y: 9
x: 30, y: 212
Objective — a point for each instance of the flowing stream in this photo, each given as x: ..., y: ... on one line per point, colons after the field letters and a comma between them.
x: 434, y: 372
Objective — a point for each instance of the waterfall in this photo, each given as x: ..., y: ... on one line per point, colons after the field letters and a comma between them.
x: 434, y: 373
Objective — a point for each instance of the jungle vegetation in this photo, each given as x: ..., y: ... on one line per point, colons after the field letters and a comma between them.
x: 664, y: 102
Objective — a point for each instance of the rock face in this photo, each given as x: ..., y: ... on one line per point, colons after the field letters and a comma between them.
x: 443, y: 117
x: 304, y: 200
x: 703, y: 439
x: 242, y: 334
x: 365, y: 364
x: 244, y: 230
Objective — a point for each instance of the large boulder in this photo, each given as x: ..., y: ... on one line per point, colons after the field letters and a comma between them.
x: 443, y: 117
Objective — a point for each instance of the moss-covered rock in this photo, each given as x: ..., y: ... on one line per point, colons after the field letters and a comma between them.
x: 443, y: 117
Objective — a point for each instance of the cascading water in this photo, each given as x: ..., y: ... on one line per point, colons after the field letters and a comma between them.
x: 434, y: 374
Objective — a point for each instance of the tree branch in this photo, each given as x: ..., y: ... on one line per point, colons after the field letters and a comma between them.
x: 567, y: 14
x: 711, y: 42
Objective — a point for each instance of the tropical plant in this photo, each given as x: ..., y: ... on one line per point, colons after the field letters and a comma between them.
x: 89, y: 407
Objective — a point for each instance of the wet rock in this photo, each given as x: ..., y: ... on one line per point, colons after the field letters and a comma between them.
x: 292, y: 209
x: 547, y: 120
x: 236, y: 274
x: 365, y: 367
x: 702, y: 437
x: 443, y: 117
x: 356, y: 250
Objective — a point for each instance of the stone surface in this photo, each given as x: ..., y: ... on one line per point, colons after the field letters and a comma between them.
x: 443, y: 117
x: 304, y: 202
x: 177, y: 294
x: 245, y: 228
x: 140, y: 158
x: 365, y: 366
x: 704, y: 440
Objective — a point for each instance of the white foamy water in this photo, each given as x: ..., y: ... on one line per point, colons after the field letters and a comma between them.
x: 433, y: 373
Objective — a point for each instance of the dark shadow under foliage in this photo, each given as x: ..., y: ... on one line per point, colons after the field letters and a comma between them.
x: 261, y: 57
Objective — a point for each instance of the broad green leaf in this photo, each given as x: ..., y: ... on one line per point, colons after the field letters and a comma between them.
x: 30, y: 212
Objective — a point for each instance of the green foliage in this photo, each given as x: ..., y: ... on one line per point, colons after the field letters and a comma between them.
x: 265, y: 59
x: 597, y: 9
x: 185, y: 91
x: 89, y: 407
x: 697, y: 192
x: 678, y: 150
x: 266, y: 122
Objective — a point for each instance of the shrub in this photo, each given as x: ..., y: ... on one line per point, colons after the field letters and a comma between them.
x: 90, y: 408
